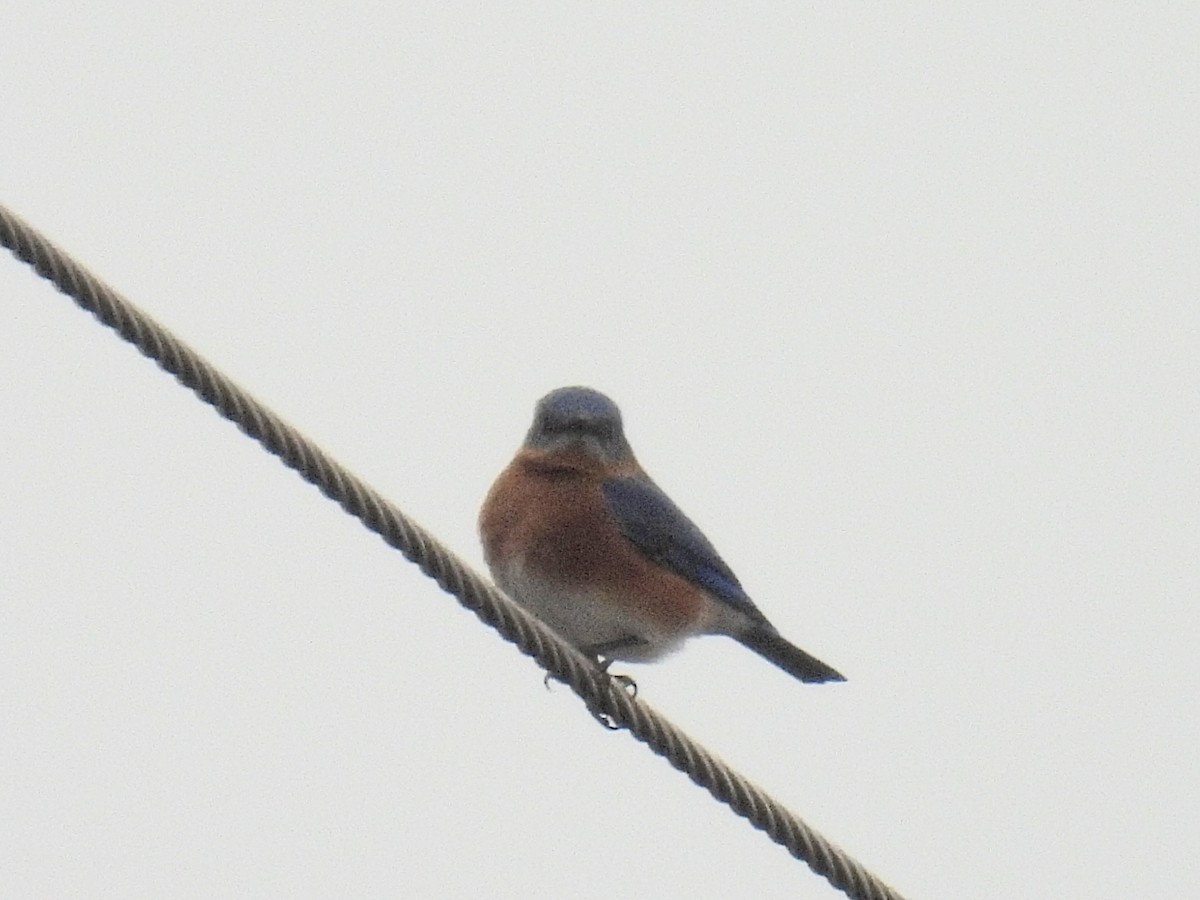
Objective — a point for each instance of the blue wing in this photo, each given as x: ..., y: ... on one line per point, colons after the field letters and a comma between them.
x: 660, y: 530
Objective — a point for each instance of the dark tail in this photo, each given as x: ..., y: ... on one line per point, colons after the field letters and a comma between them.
x: 769, y: 643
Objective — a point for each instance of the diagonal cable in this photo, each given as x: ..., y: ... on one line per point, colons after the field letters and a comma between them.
x: 604, y: 696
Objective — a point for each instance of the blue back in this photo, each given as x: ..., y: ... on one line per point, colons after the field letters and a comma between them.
x: 648, y: 518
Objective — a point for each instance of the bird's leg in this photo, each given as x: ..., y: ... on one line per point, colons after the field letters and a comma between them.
x: 624, y: 682
x: 604, y: 655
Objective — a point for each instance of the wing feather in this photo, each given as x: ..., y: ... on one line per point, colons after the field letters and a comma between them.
x: 648, y: 518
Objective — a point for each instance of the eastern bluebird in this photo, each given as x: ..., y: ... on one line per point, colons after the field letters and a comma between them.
x: 576, y: 532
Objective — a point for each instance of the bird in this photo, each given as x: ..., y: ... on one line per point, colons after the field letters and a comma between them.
x: 576, y: 532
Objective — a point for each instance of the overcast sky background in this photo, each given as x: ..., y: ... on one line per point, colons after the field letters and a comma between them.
x: 900, y: 305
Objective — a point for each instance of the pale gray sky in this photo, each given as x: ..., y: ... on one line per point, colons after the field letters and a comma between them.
x: 900, y: 305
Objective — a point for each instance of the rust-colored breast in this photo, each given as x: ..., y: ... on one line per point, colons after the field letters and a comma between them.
x: 547, y: 511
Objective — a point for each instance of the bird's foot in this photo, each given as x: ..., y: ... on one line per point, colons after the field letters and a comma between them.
x: 623, y: 681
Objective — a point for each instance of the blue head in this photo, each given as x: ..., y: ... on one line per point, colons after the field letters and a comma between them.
x: 578, y: 417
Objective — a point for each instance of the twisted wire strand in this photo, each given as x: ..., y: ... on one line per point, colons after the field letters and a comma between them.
x: 605, y: 697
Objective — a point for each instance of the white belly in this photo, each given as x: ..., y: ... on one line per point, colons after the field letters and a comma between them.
x: 584, y: 618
